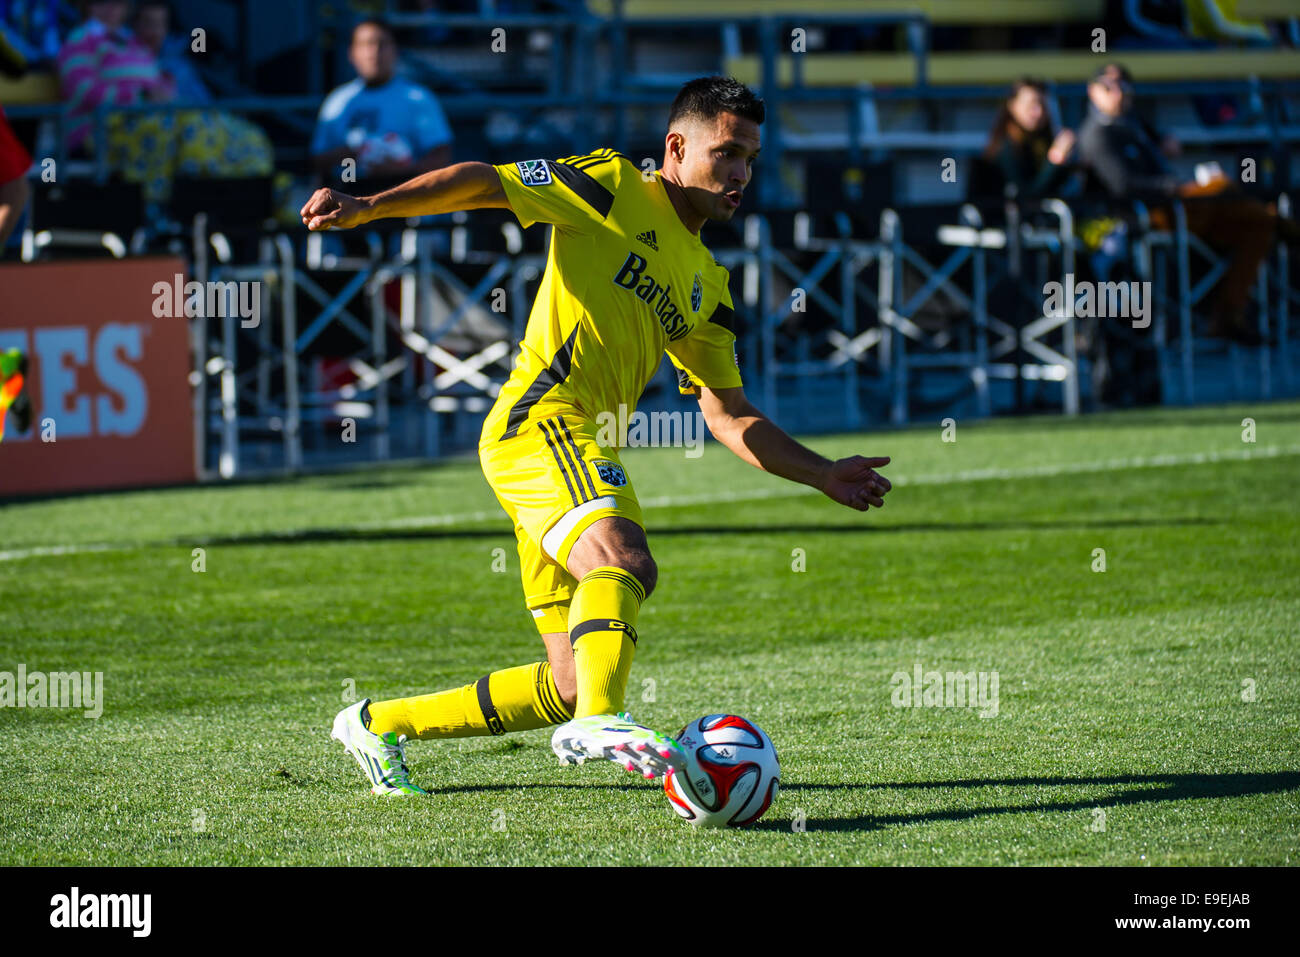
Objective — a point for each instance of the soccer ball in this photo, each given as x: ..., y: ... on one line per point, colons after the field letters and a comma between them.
x: 731, y: 774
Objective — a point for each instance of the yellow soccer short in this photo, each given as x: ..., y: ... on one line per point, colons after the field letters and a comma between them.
x: 554, y: 479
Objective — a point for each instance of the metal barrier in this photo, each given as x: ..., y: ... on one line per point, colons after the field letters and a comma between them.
x: 870, y: 345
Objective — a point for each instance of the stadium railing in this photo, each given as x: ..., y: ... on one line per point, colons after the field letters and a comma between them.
x: 1021, y: 345
x: 1178, y: 289
x: 254, y: 382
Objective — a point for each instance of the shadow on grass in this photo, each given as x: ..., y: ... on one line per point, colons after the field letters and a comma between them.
x: 349, y: 535
x: 1140, y: 789
x: 516, y: 787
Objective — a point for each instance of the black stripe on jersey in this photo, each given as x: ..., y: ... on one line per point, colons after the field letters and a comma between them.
x: 602, y: 624
x: 603, y: 156
x: 488, y: 708
x: 586, y: 159
x: 552, y: 431
x: 594, y: 156
x: 555, y: 450
x: 587, y: 188
x: 582, y: 465
x: 724, y: 317
x: 546, y: 380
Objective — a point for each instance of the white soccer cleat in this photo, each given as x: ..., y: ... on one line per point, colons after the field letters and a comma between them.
x: 617, y: 738
x: 381, y: 756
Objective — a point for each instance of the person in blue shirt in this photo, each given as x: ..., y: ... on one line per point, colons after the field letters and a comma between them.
x: 392, y: 128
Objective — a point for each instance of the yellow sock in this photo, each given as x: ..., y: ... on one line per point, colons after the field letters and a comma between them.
x: 516, y: 699
x: 602, y: 628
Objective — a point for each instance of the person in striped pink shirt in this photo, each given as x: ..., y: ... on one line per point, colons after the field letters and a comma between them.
x: 101, y: 62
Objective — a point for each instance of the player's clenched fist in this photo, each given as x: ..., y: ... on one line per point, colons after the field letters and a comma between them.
x: 330, y: 209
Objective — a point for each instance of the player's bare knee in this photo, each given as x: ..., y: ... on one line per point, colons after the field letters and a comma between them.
x: 642, y: 566
x: 615, y: 542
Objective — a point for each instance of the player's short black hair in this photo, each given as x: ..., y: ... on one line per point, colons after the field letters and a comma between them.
x: 707, y: 96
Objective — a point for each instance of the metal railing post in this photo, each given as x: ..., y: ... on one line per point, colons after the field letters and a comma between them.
x: 292, y: 424
x: 199, y: 340
x: 1284, y: 303
x: 1065, y: 218
x: 1184, y: 300
x: 378, y: 350
x: 979, y: 312
x: 892, y: 353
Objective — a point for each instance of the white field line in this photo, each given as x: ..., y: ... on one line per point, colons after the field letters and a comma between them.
x: 784, y: 490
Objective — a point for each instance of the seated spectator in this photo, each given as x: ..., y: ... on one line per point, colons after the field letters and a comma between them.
x: 1023, y: 146
x: 1124, y: 158
x: 102, y: 63
x: 393, y: 129
x: 152, y: 27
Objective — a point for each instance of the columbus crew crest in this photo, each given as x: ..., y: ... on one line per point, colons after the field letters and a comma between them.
x: 697, y: 293
x: 611, y: 473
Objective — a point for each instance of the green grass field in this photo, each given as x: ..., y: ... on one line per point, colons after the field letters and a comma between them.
x: 1123, y: 733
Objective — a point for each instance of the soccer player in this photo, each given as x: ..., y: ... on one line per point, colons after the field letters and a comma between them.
x: 627, y: 278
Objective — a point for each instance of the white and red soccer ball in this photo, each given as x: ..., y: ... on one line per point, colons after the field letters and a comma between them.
x: 732, y: 772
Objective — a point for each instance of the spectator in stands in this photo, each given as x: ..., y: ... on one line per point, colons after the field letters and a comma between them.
x: 1124, y: 159
x: 14, y: 164
x: 1023, y: 146
x: 392, y: 128
x: 102, y: 63
x: 152, y: 27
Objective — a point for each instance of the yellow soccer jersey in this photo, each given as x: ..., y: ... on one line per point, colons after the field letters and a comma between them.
x: 625, y: 281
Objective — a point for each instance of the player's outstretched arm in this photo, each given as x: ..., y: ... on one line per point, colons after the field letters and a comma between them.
x: 752, y: 436
x: 446, y: 190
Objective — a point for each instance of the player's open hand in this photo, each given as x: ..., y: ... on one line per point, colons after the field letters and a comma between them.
x: 330, y: 209
x: 855, y: 482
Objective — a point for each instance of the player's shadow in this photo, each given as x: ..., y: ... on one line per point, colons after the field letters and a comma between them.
x: 1137, y: 789
x: 341, y: 536
x: 806, y: 528
x: 514, y: 787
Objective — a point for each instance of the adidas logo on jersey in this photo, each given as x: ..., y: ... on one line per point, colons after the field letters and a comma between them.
x: 648, y: 237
